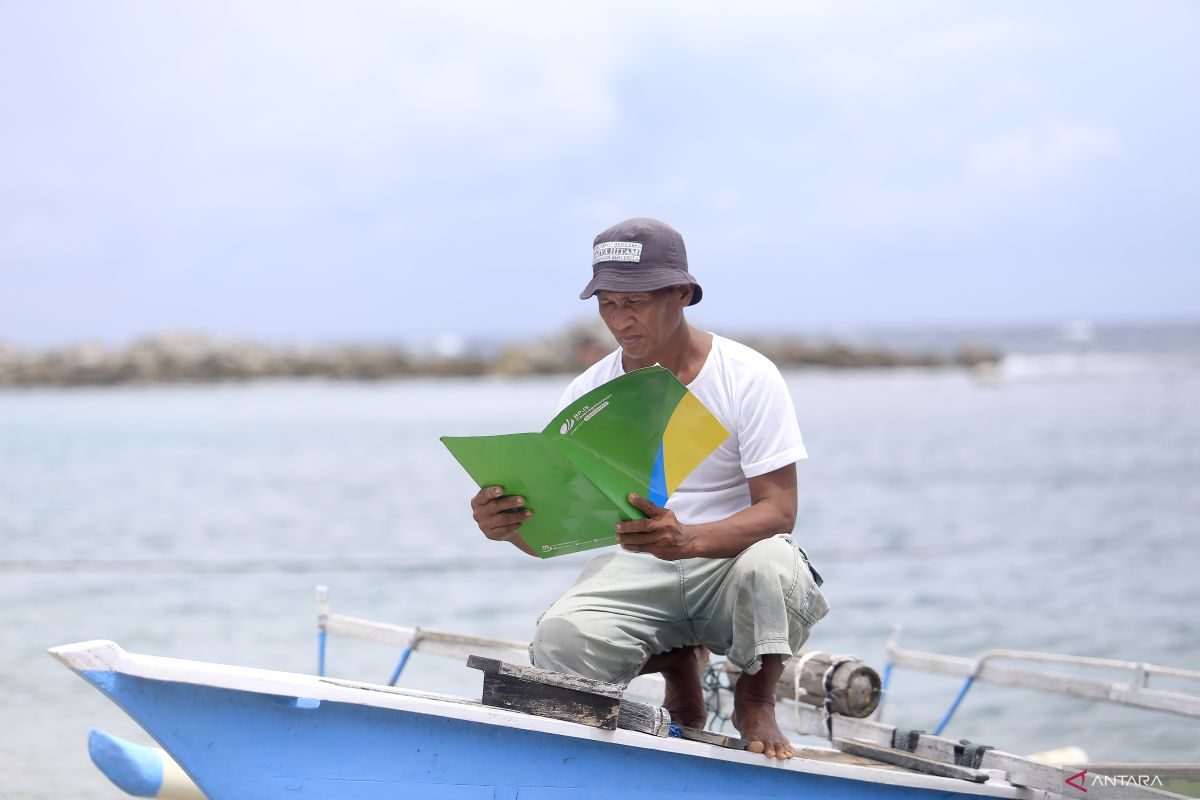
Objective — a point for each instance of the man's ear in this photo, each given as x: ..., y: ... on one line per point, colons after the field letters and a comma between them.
x: 685, y: 293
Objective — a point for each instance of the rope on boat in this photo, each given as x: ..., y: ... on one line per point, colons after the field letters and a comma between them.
x: 798, y: 690
x: 906, y: 739
x: 714, y: 681
x: 968, y: 754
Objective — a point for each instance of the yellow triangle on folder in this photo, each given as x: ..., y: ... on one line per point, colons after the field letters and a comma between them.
x: 691, y: 435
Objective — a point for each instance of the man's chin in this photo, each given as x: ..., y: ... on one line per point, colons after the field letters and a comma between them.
x: 637, y: 348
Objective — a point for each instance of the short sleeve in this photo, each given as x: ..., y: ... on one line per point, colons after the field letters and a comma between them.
x: 603, y: 370
x: 768, y: 433
x: 569, y: 395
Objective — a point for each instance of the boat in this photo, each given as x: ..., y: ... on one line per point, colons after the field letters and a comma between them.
x: 242, y: 732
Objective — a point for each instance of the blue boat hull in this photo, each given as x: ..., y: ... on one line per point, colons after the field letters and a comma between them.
x: 241, y: 744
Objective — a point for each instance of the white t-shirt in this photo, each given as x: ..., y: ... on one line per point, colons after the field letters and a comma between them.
x: 744, y: 390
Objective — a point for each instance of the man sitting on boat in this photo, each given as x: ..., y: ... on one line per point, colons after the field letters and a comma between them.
x: 724, y: 573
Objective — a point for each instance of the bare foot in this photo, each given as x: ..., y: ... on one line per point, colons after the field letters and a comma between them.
x: 754, y: 710
x: 682, y: 669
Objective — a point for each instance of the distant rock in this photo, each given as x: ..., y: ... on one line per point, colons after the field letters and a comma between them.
x: 184, y: 356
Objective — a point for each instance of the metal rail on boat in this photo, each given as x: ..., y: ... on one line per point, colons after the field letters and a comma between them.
x: 1135, y: 692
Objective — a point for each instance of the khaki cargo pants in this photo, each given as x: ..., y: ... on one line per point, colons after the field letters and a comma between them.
x: 625, y: 607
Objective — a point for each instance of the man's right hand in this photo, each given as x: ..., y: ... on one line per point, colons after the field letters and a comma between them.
x: 500, y: 517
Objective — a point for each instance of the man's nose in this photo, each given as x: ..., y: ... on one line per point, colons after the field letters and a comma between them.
x: 623, y: 319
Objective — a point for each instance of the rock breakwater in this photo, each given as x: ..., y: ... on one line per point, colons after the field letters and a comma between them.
x: 198, y: 358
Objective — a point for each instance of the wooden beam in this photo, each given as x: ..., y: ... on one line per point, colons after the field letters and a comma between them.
x: 710, y: 737
x: 546, y: 677
x: 556, y: 702
x: 546, y: 693
x: 644, y: 718
x: 902, y: 758
x: 1018, y: 770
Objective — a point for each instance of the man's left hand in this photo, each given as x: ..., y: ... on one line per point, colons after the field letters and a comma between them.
x: 660, y: 534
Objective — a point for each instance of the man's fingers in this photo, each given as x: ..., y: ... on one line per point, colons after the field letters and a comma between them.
x: 486, y: 503
x: 501, y: 518
x: 640, y: 539
x: 503, y: 532
x: 635, y: 526
x: 485, y: 495
x: 644, y: 505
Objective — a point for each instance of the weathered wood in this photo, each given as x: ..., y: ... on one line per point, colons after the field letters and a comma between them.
x: 855, y: 686
x: 546, y: 693
x: 546, y: 677
x: 644, y: 718
x: 902, y: 758
x: 709, y: 737
x: 543, y: 700
x: 1018, y: 770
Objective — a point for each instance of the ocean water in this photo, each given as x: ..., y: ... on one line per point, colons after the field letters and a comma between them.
x: 1055, y: 506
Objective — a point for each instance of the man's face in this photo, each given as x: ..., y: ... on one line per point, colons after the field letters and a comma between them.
x: 642, y: 321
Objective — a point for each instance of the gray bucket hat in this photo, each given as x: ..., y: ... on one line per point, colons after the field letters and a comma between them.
x: 639, y: 255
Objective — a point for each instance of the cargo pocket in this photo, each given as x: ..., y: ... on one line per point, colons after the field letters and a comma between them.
x: 805, y: 601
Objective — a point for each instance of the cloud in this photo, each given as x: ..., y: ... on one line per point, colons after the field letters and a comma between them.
x: 323, y: 148
x: 1038, y: 155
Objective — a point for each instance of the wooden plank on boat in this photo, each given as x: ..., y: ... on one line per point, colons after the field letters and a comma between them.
x: 546, y: 693
x: 902, y: 758
x: 546, y: 677
x: 644, y: 718
x: 709, y: 737
x: 517, y: 694
x: 1018, y: 770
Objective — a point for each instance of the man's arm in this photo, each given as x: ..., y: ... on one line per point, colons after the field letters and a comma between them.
x: 772, y: 510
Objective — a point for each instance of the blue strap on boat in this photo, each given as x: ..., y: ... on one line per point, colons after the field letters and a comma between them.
x: 969, y: 754
x: 906, y: 739
x: 675, y: 730
x: 400, y: 666
x: 962, y: 692
x: 412, y: 643
x: 883, y: 690
x: 321, y: 652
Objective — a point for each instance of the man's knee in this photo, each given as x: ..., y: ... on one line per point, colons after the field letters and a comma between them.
x: 767, y: 566
x: 558, y: 645
x: 598, y: 652
x: 773, y: 571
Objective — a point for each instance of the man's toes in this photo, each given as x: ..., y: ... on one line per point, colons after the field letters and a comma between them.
x: 756, y: 747
x: 770, y: 751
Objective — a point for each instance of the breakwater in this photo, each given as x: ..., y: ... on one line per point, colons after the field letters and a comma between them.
x: 186, y: 357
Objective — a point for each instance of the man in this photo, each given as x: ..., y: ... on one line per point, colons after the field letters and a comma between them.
x: 715, y: 568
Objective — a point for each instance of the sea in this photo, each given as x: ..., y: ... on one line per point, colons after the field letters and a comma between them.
x: 1051, y: 504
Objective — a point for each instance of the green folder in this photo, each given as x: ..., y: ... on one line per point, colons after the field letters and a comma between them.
x: 642, y: 432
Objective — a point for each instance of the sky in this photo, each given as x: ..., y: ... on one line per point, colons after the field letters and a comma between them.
x: 393, y: 171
